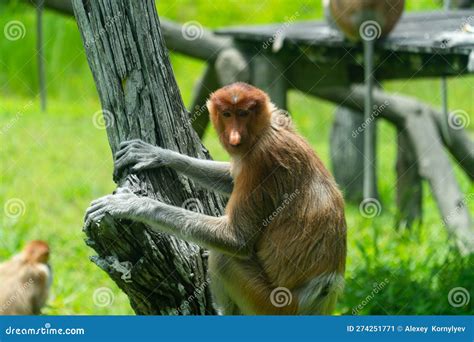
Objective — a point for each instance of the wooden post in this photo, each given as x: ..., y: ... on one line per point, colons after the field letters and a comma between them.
x: 369, y: 132
x: 409, y: 186
x: 267, y: 74
x: 346, y: 149
x: 40, y: 54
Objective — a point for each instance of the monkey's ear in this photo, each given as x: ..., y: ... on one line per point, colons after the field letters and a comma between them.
x: 213, y: 115
x: 210, y: 106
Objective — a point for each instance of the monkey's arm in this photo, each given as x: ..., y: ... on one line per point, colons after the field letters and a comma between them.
x: 139, y: 156
x: 207, y: 231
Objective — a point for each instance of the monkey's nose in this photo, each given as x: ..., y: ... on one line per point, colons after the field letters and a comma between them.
x: 234, y: 139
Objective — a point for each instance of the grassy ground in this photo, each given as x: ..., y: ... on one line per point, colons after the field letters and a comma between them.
x: 57, y: 162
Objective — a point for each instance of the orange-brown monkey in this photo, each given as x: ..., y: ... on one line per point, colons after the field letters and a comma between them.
x: 366, y: 18
x: 280, y: 248
x: 25, y: 281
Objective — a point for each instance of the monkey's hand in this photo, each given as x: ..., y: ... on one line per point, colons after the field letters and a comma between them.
x: 119, y: 205
x: 139, y: 155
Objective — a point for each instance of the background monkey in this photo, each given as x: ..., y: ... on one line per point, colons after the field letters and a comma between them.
x: 265, y: 242
x: 25, y: 280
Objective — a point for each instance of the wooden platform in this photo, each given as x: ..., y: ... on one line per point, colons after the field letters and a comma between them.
x: 423, y: 44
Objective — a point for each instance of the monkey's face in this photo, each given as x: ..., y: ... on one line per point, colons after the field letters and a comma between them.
x: 37, y: 251
x: 239, y: 113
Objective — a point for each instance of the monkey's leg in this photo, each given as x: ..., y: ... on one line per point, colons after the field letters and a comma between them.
x: 246, y: 284
x: 223, y: 301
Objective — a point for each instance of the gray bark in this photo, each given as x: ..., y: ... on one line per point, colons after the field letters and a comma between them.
x: 140, y: 99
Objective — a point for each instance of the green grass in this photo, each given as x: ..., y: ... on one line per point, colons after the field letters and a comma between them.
x: 57, y: 162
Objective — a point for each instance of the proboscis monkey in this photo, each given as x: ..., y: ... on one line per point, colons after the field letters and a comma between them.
x: 280, y: 248
x: 366, y: 18
x: 25, y: 280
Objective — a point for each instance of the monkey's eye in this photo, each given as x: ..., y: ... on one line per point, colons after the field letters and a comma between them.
x: 226, y: 114
x: 243, y: 112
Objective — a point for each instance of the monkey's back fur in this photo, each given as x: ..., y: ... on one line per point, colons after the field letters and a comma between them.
x: 24, y: 286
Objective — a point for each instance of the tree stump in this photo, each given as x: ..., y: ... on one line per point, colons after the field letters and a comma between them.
x: 140, y: 99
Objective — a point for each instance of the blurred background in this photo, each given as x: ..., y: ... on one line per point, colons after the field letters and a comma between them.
x: 54, y: 163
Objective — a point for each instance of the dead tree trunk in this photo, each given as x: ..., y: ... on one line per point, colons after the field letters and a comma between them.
x: 140, y: 99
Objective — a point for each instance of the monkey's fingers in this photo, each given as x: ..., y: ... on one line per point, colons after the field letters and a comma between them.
x: 126, y: 149
x: 94, y: 218
x: 129, y: 142
x: 125, y: 161
x: 140, y: 167
x: 94, y: 208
